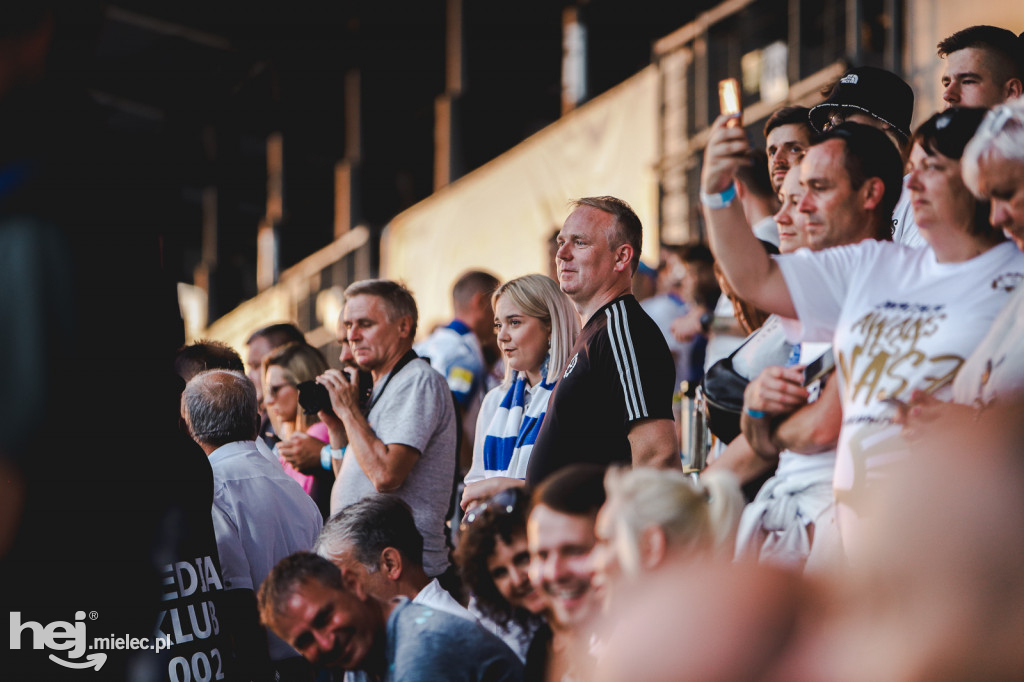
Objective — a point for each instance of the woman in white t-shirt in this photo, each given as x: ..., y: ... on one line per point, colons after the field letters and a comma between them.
x: 536, y: 325
x: 899, y: 318
x: 993, y: 168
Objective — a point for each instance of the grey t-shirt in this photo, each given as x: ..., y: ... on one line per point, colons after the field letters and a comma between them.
x: 416, y: 410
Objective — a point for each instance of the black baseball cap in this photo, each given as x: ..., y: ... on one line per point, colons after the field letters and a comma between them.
x: 873, y: 91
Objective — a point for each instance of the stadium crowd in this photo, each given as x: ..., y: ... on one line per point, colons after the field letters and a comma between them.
x: 506, y: 499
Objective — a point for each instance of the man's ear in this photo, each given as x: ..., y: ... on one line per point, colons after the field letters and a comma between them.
x: 1013, y: 88
x: 405, y: 325
x: 624, y: 257
x: 391, y: 563
x: 874, y: 190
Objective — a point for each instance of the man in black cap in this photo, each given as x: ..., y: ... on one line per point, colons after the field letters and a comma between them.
x: 871, y: 96
x: 882, y: 99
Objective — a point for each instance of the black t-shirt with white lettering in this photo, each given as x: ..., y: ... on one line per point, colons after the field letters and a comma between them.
x: 619, y: 372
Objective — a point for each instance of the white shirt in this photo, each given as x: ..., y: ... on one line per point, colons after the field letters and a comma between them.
x: 260, y: 516
x: 898, y: 321
x: 261, y: 445
x: 415, y: 409
x: 436, y: 597
x: 516, y: 638
x: 767, y: 230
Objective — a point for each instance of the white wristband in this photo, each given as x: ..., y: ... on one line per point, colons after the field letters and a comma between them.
x: 720, y: 200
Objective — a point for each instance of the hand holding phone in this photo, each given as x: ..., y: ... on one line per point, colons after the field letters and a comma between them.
x: 727, y: 147
x: 776, y: 390
x: 819, y: 367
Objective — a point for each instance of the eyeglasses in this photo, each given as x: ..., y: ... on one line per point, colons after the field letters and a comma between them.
x: 844, y: 133
x: 272, y: 391
x: 839, y: 116
x: 835, y: 119
x: 502, y: 504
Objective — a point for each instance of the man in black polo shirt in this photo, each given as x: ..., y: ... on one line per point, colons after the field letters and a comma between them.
x: 614, y: 400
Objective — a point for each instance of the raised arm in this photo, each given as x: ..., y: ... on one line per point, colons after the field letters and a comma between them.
x: 387, y: 465
x: 749, y: 269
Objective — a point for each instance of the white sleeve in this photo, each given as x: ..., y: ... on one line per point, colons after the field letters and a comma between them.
x: 819, y: 282
x: 234, y: 565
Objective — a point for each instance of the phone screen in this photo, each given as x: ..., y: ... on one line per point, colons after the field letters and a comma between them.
x: 729, y: 97
x: 821, y: 366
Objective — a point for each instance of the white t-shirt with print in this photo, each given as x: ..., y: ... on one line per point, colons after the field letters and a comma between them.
x: 899, y: 321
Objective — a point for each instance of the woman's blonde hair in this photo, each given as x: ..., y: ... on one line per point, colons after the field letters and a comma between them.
x: 299, y: 362
x: 538, y: 296
x: 695, y: 517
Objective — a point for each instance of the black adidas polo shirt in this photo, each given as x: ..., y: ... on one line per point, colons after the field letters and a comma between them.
x: 619, y: 372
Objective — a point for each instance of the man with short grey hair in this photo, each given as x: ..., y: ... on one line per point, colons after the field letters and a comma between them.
x: 403, y: 441
x: 375, y: 544
x: 260, y: 515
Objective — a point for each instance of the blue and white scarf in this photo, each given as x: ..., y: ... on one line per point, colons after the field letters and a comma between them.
x: 513, y: 429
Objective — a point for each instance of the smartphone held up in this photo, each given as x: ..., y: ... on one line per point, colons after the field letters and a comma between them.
x: 729, y: 101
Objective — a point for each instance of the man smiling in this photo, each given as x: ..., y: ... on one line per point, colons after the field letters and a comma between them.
x: 561, y: 537
x: 304, y: 602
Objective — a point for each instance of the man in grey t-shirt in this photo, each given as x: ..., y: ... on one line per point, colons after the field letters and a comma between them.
x: 403, y: 441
